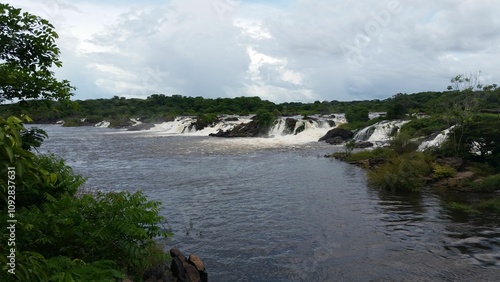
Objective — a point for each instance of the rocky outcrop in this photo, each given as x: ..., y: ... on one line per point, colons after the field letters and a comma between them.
x: 363, y: 145
x: 337, y: 136
x: 290, y: 125
x: 142, y: 126
x: 181, y: 269
x: 190, y: 269
x: 250, y: 129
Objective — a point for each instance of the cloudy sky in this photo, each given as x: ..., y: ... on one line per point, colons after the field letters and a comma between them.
x: 280, y: 50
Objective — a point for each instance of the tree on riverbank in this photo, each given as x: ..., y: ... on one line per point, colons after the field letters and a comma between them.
x: 56, y: 232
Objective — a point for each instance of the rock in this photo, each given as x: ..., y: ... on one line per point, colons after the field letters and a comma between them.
x: 330, y: 136
x: 196, y: 261
x: 178, y: 269
x: 364, y: 144
x: 335, y: 140
x: 142, y: 126
x: 174, y: 252
x: 374, y: 162
x: 231, y: 119
x: 184, y: 270
x: 290, y: 125
x: 453, y: 162
x: 331, y: 123
x: 154, y: 273
x: 250, y: 129
x: 192, y: 273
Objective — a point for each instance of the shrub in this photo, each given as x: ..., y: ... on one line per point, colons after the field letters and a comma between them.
x: 492, y: 205
x: 401, y: 173
x: 403, y: 143
x: 31, y: 266
x: 60, y: 181
x: 442, y: 171
x: 488, y: 184
x: 115, y: 226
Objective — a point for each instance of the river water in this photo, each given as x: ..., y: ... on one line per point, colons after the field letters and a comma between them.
x: 276, y: 210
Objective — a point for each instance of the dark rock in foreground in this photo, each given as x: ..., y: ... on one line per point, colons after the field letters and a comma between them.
x: 182, y: 269
x: 337, y: 136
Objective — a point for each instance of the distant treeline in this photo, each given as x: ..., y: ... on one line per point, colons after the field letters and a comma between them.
x: 159, y: 107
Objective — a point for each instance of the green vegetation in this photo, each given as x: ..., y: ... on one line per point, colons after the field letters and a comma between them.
x: 61, y: 234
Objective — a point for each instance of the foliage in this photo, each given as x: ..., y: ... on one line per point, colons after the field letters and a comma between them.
x: 62, y: 182
x: 264, y: 119
x: 419, y: 127
x: 490, y: 205
x: 115, y: 226
x: 461, y: 207
x: 67, y: 230
x: 442, y: 171
x: 490, y: 183
x: 401, y: 173
x: 482, y: 139
x: 403, y: 143
x: 27, y: 54
x: 31, y: 266
x: 399, y: 106
x: 357, y: 114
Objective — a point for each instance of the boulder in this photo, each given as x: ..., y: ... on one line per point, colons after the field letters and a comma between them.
x: 191, y: 269
x: 335, y: 140
x: 196, y: 261
x: 290, y: 125
x: 342, y: 134
x: 364, y: 144
x: 453, y: 162
x: 250, y: 129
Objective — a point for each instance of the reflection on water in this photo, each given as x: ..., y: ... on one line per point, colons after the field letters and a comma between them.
x: 258, y: 211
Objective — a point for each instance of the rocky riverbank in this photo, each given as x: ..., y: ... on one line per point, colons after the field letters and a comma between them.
x: 180, y: 269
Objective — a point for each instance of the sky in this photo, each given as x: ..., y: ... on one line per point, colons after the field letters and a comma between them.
x: 282, y: 51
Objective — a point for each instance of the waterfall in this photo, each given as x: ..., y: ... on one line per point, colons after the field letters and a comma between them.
x: 435, y: 140
x: 279, y: 127
x: 380, y: 132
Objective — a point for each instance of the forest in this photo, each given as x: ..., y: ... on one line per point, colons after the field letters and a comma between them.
x: 160, y: 107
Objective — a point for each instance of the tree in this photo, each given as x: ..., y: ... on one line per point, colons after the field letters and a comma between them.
x: 463, y: 106
x: 357, y: 114
x: 399, y: 106
x: 27, y: 54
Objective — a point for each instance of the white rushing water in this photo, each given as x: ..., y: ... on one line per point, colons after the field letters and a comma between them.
x: 436, y: 141
x: 380, y: 132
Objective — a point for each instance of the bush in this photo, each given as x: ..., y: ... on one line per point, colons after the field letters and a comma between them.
x: 488, y: 184
x: 60, y: 181
x: 115, y: 226
x: 403, y: 143
x: 36, y: 268
x: 442, y: 171
x: 419, y: 127
x: 492, y: 205
x: 401, y: 173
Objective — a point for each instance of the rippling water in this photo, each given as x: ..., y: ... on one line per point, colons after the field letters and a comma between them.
x: 274, y: 210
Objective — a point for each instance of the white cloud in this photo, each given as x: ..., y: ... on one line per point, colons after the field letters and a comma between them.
x: 301, y: 50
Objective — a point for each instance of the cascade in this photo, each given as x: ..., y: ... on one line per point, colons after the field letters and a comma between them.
x: 436, y: 140
x: 380, y: 132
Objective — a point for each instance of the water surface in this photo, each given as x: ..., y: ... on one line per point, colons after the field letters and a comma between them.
x: 276, y: 210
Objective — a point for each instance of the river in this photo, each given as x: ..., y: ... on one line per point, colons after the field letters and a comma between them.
x: 275, y: 210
